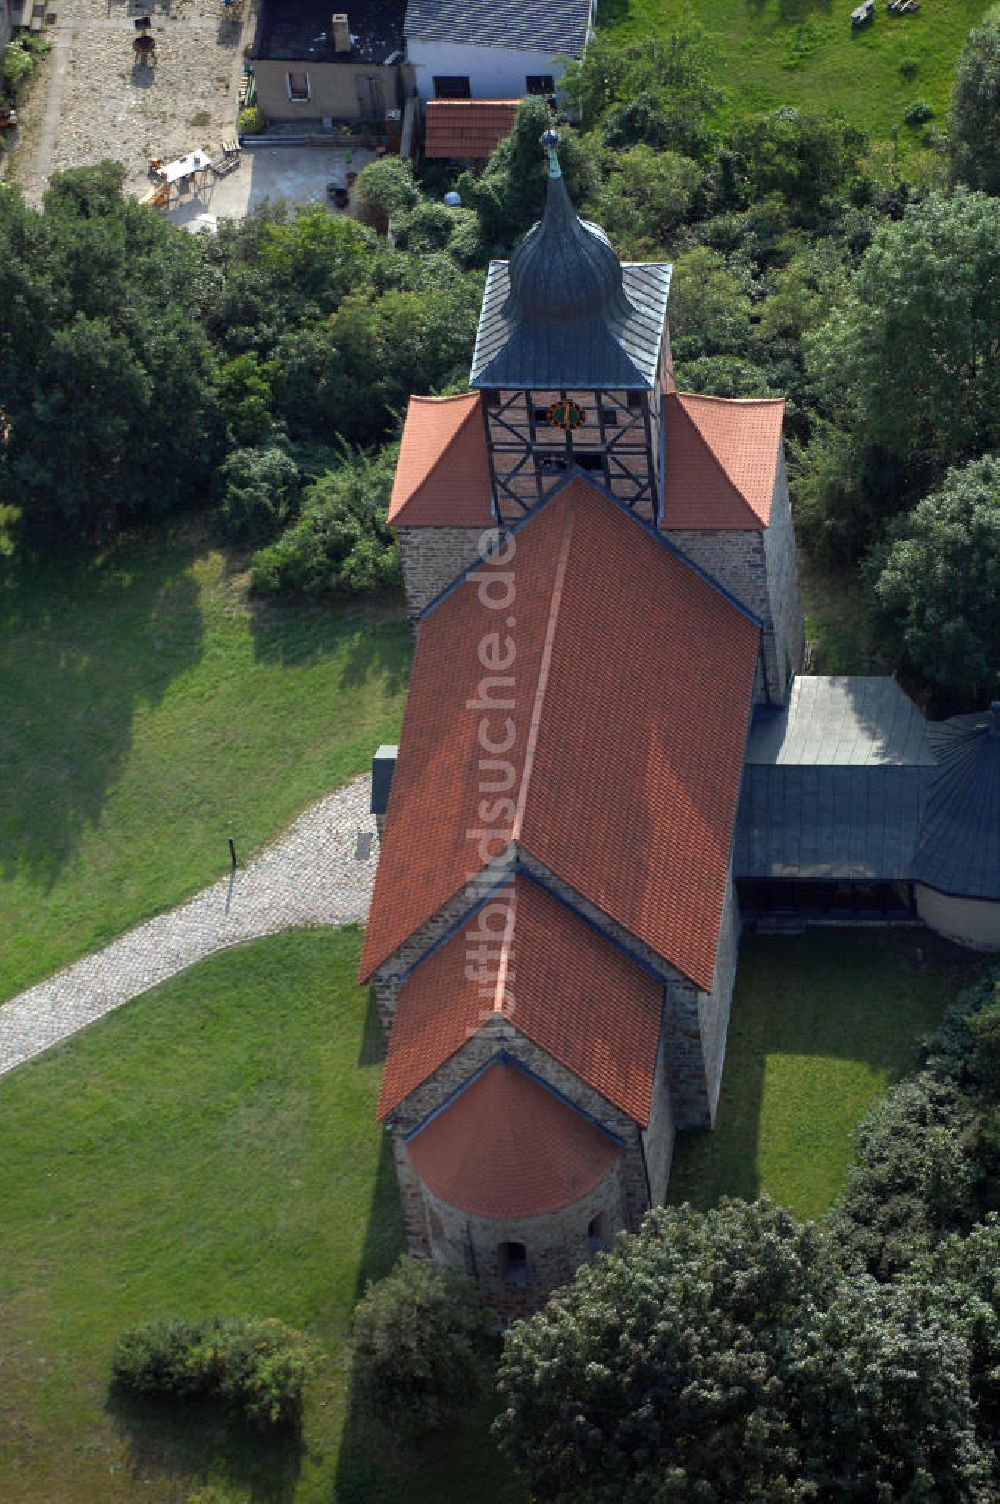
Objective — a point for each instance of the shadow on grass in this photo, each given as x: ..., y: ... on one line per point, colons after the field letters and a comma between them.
x: 190, y: 1443
x: 299, y: 633
x: 825, y: 997
x: 372, y: 1051
x: 82, y: 645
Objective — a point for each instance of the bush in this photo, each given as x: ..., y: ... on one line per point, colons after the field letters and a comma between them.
x: 422, y: 1345
x: 340, y: 544
x: 251, y: 121
x: 918, y: 113
x: 261, y: 493
x: 18, y: 65
x: 256, y: 1367
x: 384, y: 189
x: 908, y: 67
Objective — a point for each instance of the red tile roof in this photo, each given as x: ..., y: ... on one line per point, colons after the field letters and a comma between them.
x: 467, y: 128
x: 558, y: 981
x: 442, y: 475
x: 508, y: 1147
x: 632, y: 686
x: 721, y: 461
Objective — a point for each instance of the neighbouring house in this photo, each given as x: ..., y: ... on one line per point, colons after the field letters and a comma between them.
x: 610, y: 762
x: 6, y: 24
x: 467, y: 130
x: 503, y: 49
x: 313, y: 62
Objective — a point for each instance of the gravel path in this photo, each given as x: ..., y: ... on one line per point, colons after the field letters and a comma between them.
x: 320, y: 872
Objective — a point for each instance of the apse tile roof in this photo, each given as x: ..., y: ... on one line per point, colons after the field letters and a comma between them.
x: 507, y: 1146
x: 560, y: 26
x: 721, y: 459
x: 557, y: 981
x: 632, y: 686
x: 467, y: 128
x: 442, y: 475
x: 622, y: 353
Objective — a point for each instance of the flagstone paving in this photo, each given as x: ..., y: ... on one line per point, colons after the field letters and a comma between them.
x: 320, y: 872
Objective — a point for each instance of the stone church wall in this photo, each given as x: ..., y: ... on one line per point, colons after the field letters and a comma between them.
x: 431, y: 558
x: 658, y: 1135
x: 714, y: 1006
x: 556, y: 1243
x: 783, y: 580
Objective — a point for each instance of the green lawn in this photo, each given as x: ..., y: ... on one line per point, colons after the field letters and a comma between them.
x: 803, y: 52
x: 211, y: 1147
x: 821, y: 1025
x: 150, y: 711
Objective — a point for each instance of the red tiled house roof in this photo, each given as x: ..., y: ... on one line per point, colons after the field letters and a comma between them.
x: 633, y: 683
x: 558, y: 981
x: 467, y: 128
x: 442, y: 475
x: 508, y: 1147
x: 721, y: 461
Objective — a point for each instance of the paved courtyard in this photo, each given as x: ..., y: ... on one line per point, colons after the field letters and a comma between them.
x: 320, y: 872
x: 298, y: 174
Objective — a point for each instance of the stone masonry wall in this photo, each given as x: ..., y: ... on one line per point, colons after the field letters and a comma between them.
x: 431, y: 558
x: 783, y: 581
x: 714, y: 1006
x: 658, y: 1136
x: 556, y: 1244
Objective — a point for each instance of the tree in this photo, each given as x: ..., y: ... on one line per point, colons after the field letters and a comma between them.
x: 808, y: 159
x: 422, y: 1344
x: 261, y: 493
x: 974, y: 118
x: 709, y: 307
x: 644, y: 195
x: 660, y: 91
x: 341, y: 544
x: 720, y: 1358
x: 911, y: 362
x: 937, y: 586
x: 385, y: 188
x: 510, y: 195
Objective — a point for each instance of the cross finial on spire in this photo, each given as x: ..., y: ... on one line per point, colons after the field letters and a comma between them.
x: 549, y: 140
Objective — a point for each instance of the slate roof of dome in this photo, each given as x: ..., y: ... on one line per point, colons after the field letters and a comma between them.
x: 567, y: 988
x: 510, y: 1146
x: 564, y: 312
x: 958, y: 851
x: 633, y: 692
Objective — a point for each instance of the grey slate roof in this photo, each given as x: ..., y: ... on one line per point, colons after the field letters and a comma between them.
x: 834, y: 784
x: 595, y: 353
x: 959, y: 846
x: 560, y: 26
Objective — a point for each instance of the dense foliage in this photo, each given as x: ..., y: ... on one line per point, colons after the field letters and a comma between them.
x: 422, y: 1345
x: 974, y: 121
x: 738, y: 1355
x: 256, y: 1367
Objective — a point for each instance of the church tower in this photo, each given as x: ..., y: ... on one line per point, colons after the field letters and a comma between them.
x: 572, y: 360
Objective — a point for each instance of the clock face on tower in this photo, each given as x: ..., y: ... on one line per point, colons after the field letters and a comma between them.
x: 566, y: 415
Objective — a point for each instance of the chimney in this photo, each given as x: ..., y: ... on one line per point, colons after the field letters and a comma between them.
x: 341, y: 32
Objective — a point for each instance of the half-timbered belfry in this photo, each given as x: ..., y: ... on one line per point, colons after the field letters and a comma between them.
x: 573, y: 359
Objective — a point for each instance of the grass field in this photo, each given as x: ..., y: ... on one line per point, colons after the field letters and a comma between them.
x: 803, y: 52
x: 150, y: 711
x: 211, y: 1147
x: 821, y: 1025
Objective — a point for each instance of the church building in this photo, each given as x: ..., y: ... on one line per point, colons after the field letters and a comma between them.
x: 609, y: 752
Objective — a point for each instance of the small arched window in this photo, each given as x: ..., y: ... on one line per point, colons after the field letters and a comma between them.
x: 514, y: 1263
x: 599, y: 1233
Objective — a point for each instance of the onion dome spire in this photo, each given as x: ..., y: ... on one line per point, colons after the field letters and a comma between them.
x: 565, y: 268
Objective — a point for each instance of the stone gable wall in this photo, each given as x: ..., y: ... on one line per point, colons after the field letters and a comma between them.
x: 431, y: 558
x: 783, y: 581
x: 658, y: 1135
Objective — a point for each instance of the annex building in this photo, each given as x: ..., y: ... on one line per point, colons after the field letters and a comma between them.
x: 610, y: 759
